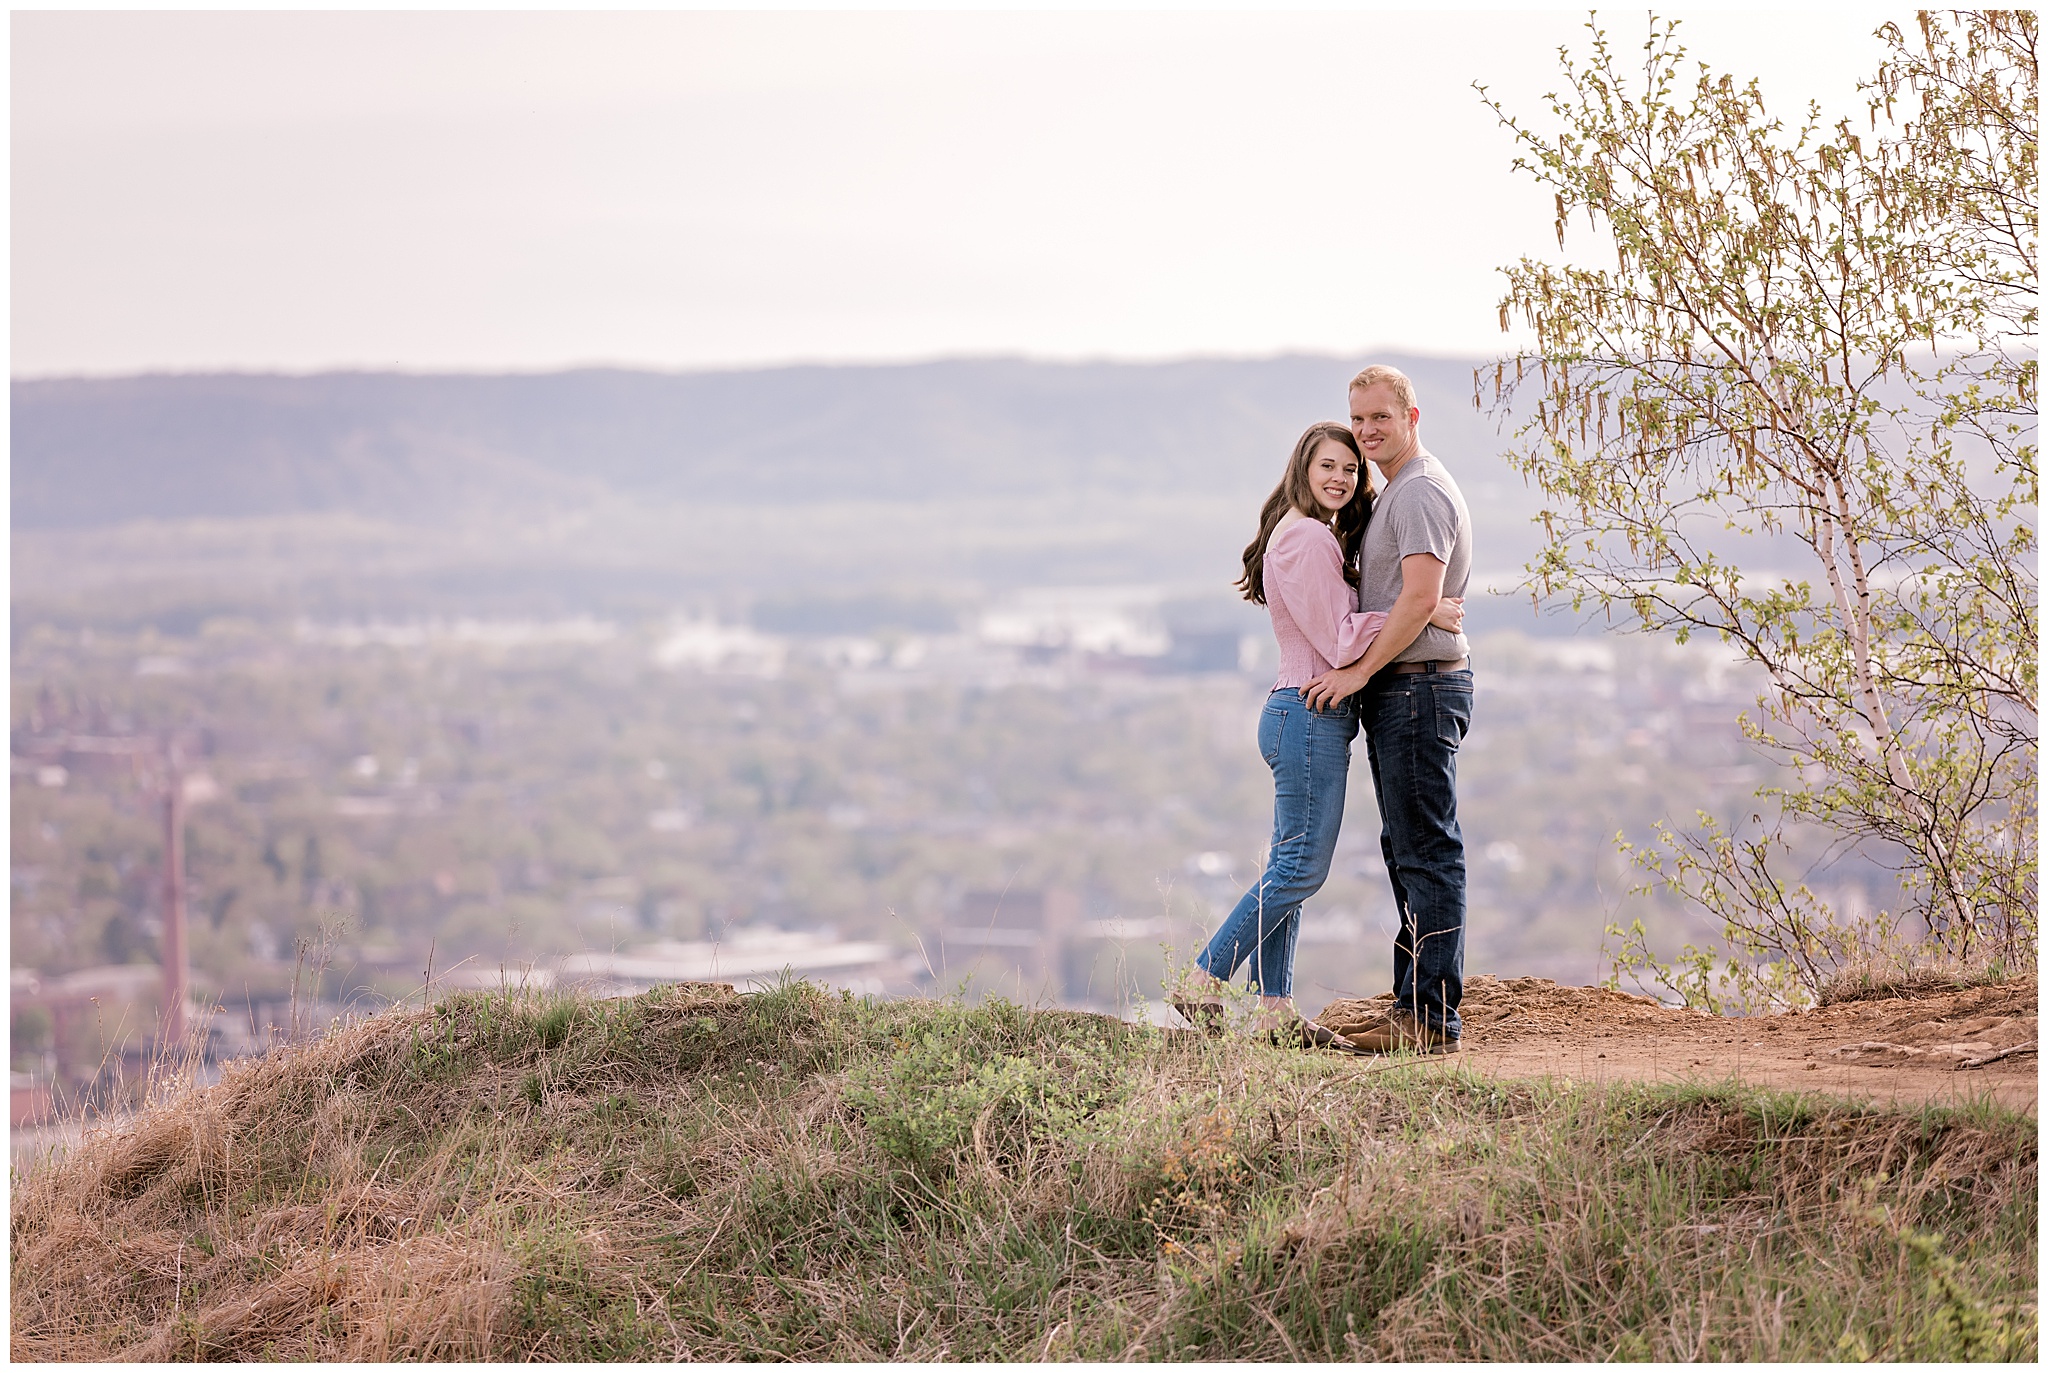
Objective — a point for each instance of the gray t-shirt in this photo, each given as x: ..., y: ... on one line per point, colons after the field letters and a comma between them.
x: 1420, y: 511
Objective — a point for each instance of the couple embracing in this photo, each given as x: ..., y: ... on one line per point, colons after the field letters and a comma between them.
x: 1366, y: 589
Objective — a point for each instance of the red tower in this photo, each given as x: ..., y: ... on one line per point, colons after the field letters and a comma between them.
x: 172, y: 1034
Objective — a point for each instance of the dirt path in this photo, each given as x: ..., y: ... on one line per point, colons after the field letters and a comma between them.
x: 1946, y: 1049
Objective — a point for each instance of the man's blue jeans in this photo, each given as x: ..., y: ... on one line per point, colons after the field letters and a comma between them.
x: 1414, y: 723
x: 1310, y: 754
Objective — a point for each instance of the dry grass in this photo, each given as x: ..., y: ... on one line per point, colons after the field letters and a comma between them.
x: 1909, y: 974
x: 693, y: 1174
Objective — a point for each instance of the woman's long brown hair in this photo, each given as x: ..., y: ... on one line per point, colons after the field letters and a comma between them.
x: 1293, y: 493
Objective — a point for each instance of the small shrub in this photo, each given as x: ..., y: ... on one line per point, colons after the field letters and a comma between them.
x: 1199, y: 1180
x: 940, y: 1097
x: 552, y: 1027
x: 1961, y: 1327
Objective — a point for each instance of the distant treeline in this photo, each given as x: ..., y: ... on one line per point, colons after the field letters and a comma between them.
x: 95, y: 452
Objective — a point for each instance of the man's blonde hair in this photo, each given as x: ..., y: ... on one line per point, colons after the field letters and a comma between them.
x: 1404, y: 389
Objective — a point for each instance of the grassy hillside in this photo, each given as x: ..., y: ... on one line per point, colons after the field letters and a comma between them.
x: 794, y: 1175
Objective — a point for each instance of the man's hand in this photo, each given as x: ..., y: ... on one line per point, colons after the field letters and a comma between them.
x: 1421, y: 599
x: 1333, y: 686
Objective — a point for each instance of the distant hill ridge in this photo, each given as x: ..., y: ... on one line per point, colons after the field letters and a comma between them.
x: 93, y: 452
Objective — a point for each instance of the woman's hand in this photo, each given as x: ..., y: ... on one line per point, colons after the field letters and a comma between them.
x: 1450, y: 615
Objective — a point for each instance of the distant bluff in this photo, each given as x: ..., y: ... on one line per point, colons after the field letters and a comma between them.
x: 92, y: 452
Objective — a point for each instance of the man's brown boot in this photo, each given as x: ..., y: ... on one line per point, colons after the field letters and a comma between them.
x: 1403, y: 1033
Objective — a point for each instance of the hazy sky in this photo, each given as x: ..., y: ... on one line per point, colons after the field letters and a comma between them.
x: 522, y: 190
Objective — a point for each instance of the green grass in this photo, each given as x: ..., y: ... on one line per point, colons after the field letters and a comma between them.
x: 801, y: 1175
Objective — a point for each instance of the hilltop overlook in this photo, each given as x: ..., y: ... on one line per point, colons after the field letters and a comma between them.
x: 937, y: 662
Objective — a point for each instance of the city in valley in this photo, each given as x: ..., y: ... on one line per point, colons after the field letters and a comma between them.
x: 1052, y: 801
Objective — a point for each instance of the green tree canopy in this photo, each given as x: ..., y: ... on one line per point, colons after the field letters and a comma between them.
x: 1818, y: 335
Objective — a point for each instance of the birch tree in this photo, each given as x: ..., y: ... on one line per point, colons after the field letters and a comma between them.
x: 1813, y: 337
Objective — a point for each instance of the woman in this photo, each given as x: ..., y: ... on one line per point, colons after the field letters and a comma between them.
x: 1303, y: 567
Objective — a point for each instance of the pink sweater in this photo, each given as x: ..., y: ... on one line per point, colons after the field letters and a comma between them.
x: 1315, y: 611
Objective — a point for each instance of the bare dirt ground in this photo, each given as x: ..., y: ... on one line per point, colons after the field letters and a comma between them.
x: 1947, y: 1049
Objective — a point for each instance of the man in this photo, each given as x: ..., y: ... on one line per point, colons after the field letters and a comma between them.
x: 1415, y: 707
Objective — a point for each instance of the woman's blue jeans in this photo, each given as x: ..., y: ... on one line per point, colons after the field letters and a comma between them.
x: 1310, y: 754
